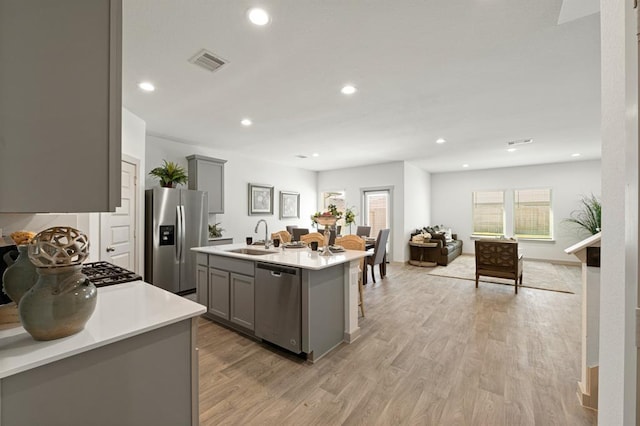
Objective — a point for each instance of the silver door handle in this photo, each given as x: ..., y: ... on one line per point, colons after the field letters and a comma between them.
x: 178, y: 235
x: 110, y: 249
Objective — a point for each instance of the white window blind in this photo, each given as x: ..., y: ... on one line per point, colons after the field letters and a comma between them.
x: 488, y: 213
x: 532, y: 213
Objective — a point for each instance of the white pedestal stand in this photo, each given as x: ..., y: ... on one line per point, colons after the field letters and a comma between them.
x: 588, y: 385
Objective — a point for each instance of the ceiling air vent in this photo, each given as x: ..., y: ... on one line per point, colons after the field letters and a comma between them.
x: 520, y: 142
x: 207, y: 60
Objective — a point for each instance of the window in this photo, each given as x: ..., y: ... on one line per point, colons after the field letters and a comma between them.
x: 333, y: 197
x: 532, y: 213
x: 376, y: 209
x: 488, y: 213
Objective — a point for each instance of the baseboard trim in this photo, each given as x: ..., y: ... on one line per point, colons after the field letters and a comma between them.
x: 588, y: 392
x: 351, y: 337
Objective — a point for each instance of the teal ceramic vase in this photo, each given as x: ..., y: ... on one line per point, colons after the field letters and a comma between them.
x: 59, y: 304
x: 19, y: 277
x: 63, y: 299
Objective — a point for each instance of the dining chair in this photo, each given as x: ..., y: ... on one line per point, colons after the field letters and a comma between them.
x: 290, y: 228
x: 363, y: 231
x: 313, y: 236
x: 298, y: 232
x: 353, y: 242
x: 500, y: 259
x: 283, y: 236
x: 379, y: 255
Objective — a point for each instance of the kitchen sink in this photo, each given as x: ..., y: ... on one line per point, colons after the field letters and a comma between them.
x: 252, y: 252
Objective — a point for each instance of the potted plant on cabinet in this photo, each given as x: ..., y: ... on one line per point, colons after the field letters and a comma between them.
x: 169, y: 174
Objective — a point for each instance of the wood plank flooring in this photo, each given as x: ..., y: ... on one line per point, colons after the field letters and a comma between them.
x: 433, y: 351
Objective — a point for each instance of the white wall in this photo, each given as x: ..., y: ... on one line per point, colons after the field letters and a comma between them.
x: 133, y: 145
x: 354, y: 179
x: 35, y: 222
x: 619, y: 272
x: 239, y: 172
x: 451, y: 199
x: 417, y: 201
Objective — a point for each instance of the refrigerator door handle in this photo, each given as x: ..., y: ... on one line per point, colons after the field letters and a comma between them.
x: 179, y: 232
x: 183, y: 235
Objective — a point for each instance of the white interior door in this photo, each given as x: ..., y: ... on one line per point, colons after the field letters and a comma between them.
x: 118, y: 229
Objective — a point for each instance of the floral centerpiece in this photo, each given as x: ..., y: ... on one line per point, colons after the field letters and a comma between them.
x: 326, y: 218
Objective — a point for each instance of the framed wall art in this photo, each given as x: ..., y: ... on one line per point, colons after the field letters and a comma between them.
x: 260, y: 199
x: 289, y: 205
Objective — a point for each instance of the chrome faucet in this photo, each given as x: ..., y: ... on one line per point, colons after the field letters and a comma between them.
x: 266, y: 232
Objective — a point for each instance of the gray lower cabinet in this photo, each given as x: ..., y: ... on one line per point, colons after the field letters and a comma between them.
x: 202, y: 287
x: 115, y: 384
x: 242, y: 303
x: 218, y: 293
x: 229, y: 293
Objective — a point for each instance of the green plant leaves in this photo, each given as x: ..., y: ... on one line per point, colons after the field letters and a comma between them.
x: 170, y: 173
x: 589, y: 216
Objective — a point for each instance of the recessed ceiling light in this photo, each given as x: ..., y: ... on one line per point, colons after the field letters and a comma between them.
x: 511, y: 150
x: 258, y: 16
x: 440, y: 140
x: 246, y: 122
x: 315, y: 154
x: 465, y: 165
x: 146, y: 86
x: 348, y: 89
x: 576, y: 154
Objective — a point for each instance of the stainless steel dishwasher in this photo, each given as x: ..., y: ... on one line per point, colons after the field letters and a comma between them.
x: 278, y: 305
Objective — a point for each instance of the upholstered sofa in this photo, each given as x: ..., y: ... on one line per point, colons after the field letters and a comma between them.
x: 445, y: 250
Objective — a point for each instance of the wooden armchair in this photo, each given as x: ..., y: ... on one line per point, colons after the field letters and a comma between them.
x: 500, y: 259
x: 313, y: 236
x: 283, y: 236
x: 353, y: 242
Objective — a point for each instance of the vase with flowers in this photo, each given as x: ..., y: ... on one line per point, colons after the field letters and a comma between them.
x: 327, y: 219
x: 350, y: 217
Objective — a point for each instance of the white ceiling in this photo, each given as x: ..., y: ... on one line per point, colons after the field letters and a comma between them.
x: 478, y: 73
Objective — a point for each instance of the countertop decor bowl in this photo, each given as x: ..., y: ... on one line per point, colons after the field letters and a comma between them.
x: 326, y: 220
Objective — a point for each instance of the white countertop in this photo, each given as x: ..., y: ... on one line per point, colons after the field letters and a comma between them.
x: 298, y: 257
x: 122, y: 311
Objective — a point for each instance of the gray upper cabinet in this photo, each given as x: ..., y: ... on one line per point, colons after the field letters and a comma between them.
x: 60, y: 105
x: 207, y: 174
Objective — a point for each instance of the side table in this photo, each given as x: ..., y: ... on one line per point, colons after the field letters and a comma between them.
x: 423, y: 254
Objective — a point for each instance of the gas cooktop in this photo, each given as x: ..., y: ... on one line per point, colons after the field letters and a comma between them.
x: 104, y: 273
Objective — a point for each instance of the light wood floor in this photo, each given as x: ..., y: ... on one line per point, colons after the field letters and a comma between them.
x: 433, y: 351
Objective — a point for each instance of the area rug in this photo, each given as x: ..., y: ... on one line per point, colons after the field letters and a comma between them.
x: 538, y: 275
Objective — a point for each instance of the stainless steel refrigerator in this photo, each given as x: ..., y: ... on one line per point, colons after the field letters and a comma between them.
x: 175, y: 221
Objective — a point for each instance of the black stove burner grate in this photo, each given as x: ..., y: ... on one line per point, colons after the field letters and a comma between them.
x: 104, y: 273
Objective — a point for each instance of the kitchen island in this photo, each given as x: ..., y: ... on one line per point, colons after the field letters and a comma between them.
x: 134, y: 363
x: 293, y: 297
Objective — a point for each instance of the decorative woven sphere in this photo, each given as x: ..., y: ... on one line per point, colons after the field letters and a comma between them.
x: 58, y: 246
